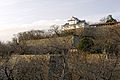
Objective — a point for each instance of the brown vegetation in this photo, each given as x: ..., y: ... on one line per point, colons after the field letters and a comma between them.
x: 74, y: 65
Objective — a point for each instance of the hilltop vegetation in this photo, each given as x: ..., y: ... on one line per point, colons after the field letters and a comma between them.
x: 28, y: 56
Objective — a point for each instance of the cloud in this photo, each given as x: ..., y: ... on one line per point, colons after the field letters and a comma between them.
x: 8, y: 2
x: 7, y: 31
x: 75, y: 2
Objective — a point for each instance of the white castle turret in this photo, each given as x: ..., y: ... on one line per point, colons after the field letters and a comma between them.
x: 75, y: 23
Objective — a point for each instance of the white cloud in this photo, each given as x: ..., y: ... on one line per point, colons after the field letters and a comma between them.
x: 8, y: 2
x: 7, y: 31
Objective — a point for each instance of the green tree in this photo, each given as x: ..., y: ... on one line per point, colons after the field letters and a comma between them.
x: 85, y: 44
x: 111, y: 19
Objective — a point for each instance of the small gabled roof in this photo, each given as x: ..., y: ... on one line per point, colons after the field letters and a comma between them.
x: 73, y: 19
x: 66, y: 24
x: 80, y: 21
x: 76, y: 18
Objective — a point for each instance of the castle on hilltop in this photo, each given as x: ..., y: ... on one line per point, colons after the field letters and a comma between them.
x: 74, y: 23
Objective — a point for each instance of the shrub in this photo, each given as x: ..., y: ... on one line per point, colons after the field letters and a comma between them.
x: 85, y: 44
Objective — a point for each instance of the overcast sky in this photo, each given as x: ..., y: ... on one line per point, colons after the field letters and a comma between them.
x: 22, y: 15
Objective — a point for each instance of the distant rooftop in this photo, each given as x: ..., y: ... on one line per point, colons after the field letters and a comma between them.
x: 104, y: 24
x: 108, y: 21
x: 74, y: 19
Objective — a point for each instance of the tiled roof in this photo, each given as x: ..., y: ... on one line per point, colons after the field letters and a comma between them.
x: 76, y: 18
x: 66, y: 24
x: 78, y: 21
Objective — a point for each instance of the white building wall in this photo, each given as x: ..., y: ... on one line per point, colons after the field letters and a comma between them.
x: 83, y: 25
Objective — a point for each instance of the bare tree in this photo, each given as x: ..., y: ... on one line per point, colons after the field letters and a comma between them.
x: 55, y: 30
